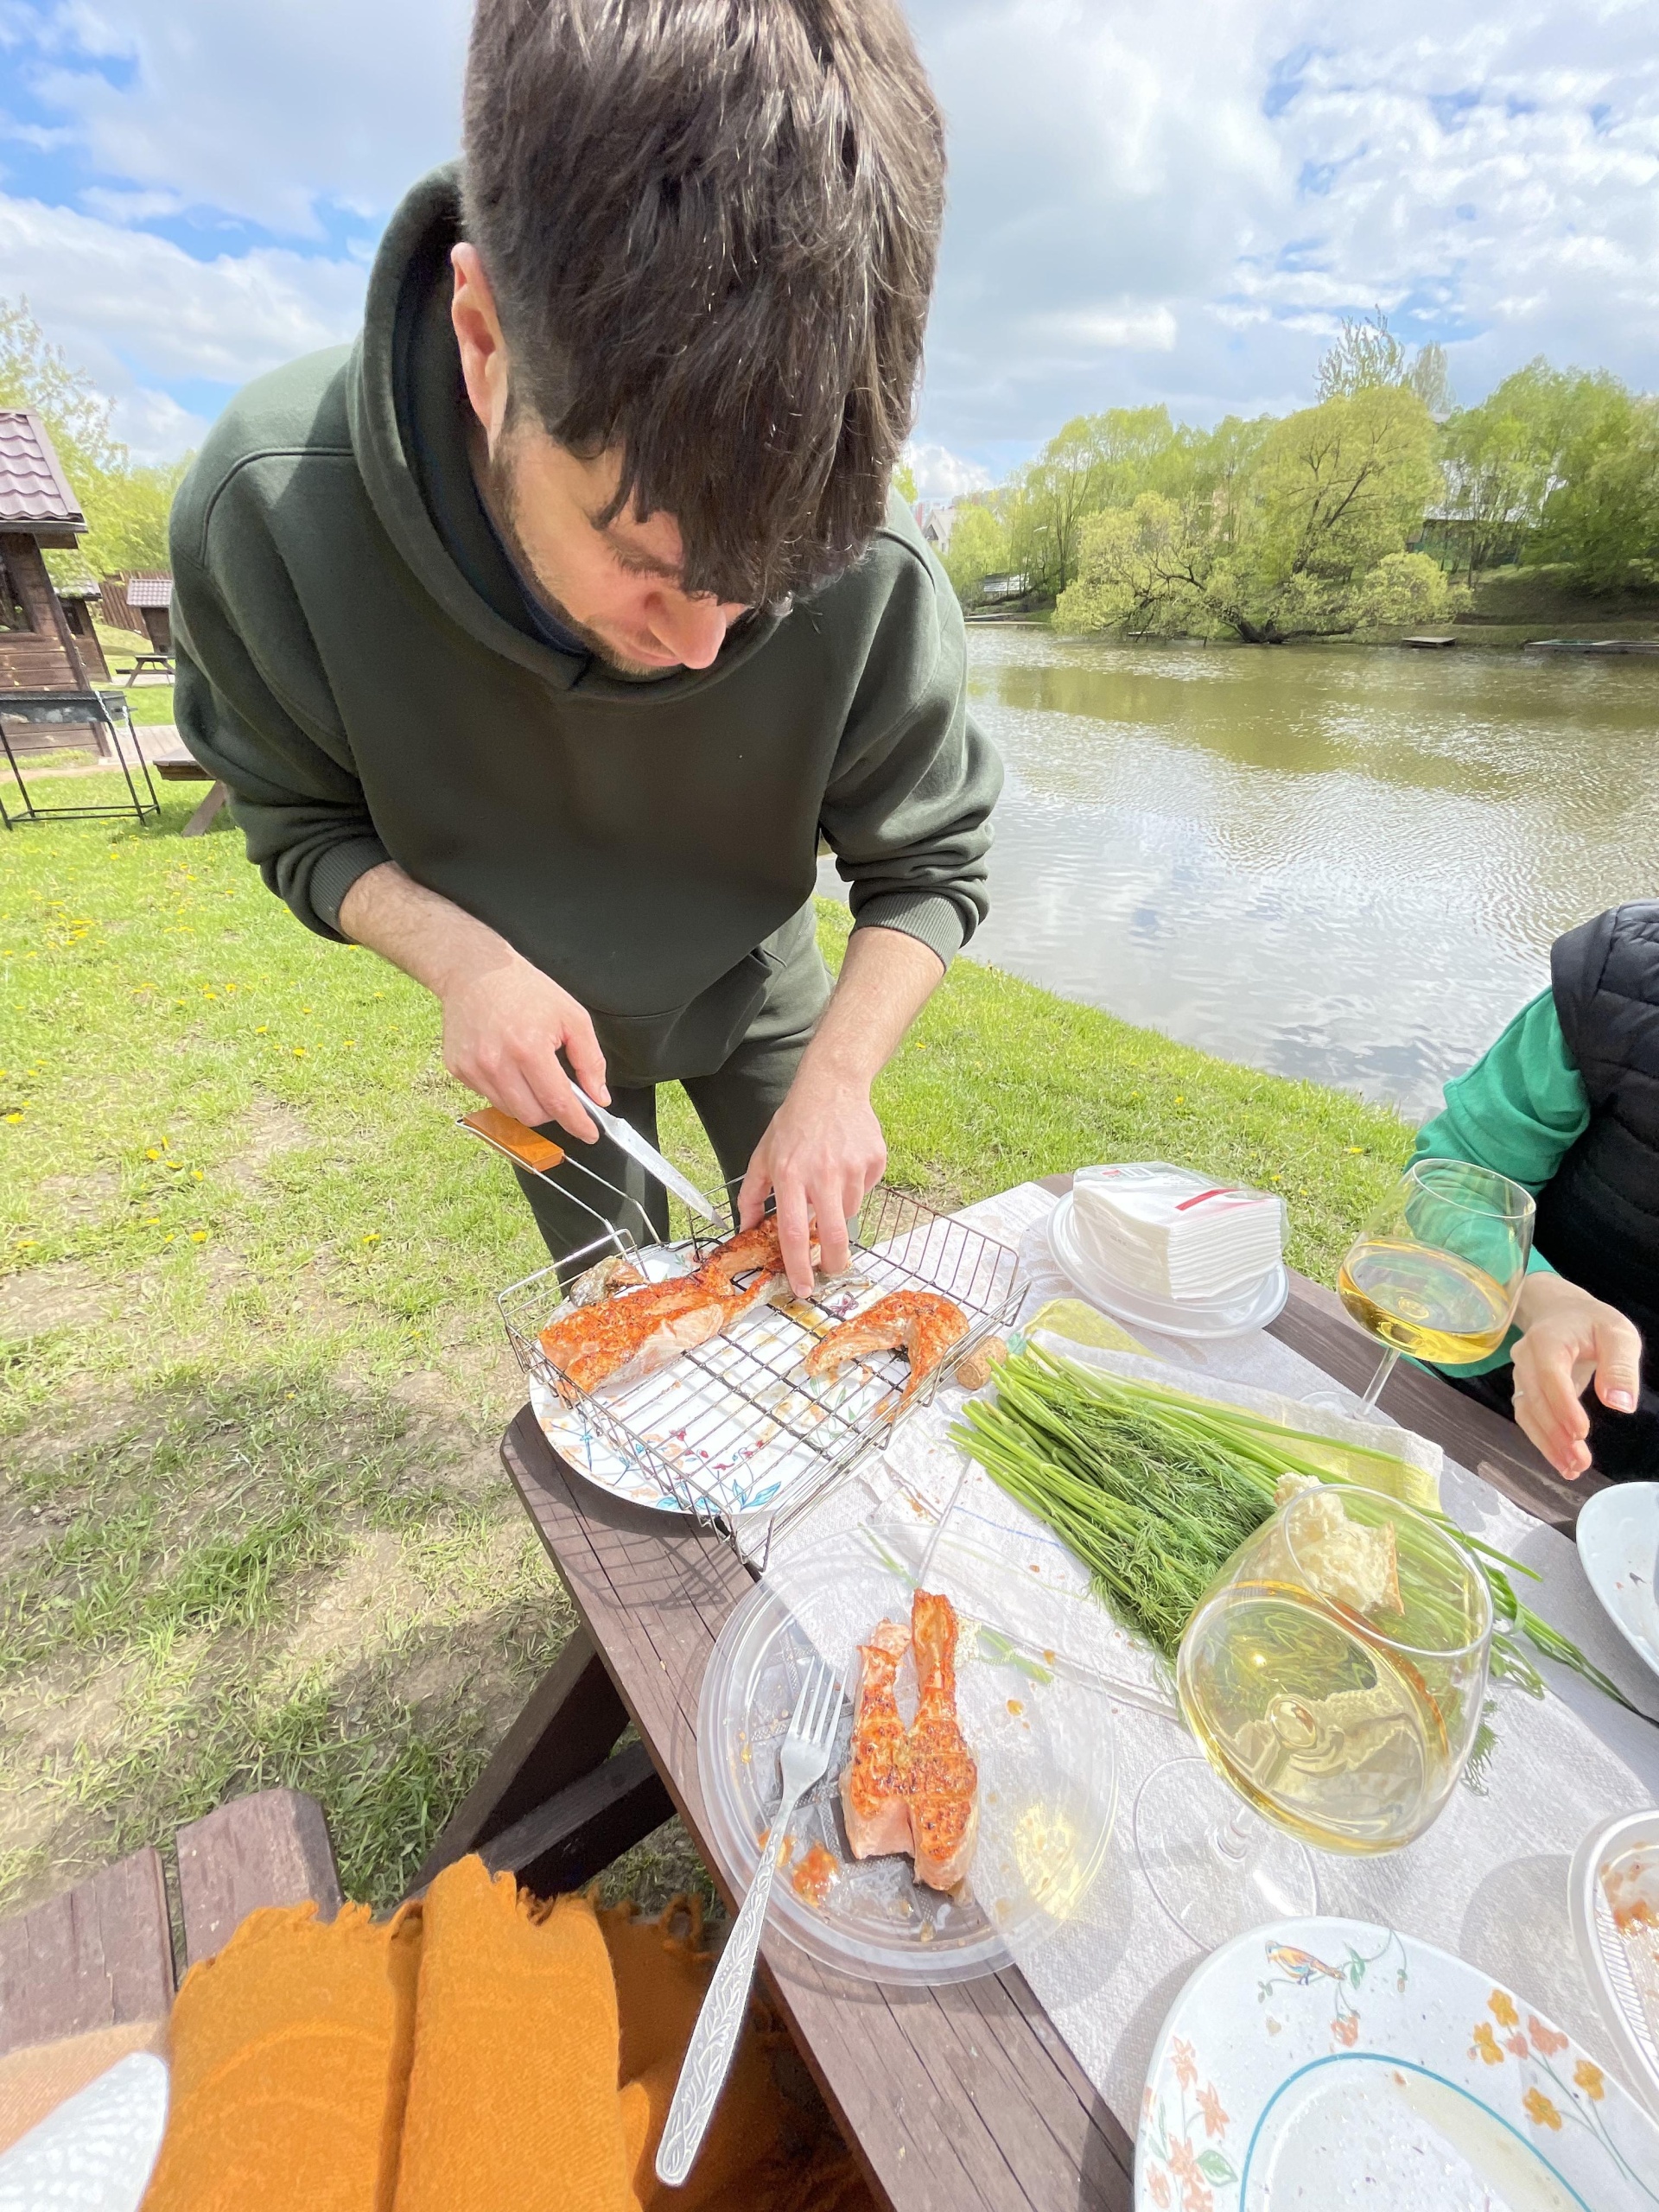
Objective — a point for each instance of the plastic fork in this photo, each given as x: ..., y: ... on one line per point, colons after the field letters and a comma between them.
x: 709, y: 2056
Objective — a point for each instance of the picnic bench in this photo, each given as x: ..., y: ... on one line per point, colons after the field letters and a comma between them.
x: 162, y: 663
x: 102, y: 1954
x: 174, y: 763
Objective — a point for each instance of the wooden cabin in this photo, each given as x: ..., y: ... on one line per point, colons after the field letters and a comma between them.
x: 39, y: 651
x: 141, y: 601
x: 78, y: 602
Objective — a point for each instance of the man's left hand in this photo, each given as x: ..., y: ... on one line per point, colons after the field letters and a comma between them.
x: 822, y: 1153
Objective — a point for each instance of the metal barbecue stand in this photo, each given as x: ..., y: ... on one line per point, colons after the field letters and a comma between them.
x: 750, y: 1394
x: 77, y: 708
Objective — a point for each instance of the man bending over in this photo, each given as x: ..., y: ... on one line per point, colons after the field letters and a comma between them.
x: 541, y: 636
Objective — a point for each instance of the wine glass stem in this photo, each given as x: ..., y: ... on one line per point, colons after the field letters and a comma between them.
x: 1375, y: 1392
x: 1233, y: 1841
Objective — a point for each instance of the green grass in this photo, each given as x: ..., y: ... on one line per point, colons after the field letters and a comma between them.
x: 252, y: 1530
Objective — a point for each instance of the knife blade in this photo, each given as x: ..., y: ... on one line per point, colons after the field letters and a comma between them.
x: 624, y: 1134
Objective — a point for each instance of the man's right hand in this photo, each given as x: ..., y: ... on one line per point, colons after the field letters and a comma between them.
x: 505, y: 1022
x: 504, y: 1025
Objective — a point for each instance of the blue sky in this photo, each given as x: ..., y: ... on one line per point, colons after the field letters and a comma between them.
x: 1175, y: 202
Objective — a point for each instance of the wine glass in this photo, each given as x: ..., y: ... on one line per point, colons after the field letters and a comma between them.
x: 1436, y: 1270
x: 1335, y: 1676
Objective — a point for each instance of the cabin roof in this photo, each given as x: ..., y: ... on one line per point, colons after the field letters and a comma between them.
x: 34, y: 494
x: 153, y: 589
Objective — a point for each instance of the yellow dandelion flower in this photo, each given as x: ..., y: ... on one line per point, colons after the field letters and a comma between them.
x: 198, y: 1236
x: 152, y: 1151
x: 373, y: 1236
x: 14, y: 1117
x: 262, y: 1030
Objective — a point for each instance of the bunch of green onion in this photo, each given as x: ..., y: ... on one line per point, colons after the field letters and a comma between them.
x: 1155, y: 1490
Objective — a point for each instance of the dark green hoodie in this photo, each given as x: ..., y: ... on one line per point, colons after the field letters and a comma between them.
x: 356, y: 661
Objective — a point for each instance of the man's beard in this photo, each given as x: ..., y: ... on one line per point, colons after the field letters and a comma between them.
x: 501, y: 496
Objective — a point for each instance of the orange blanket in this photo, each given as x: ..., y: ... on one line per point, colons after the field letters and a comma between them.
x: 480, y: 2052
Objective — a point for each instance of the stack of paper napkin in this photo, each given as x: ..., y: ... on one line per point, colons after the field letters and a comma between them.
x: 1174, y: 1233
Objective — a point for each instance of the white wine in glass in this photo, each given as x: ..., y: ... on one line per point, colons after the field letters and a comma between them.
x: 1436, y: 1270
x: 1345, y: 1723
x: 1334, y: 1674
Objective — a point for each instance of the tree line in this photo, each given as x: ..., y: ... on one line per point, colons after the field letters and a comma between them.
x: 1378, y: 507
x: 125, y: 502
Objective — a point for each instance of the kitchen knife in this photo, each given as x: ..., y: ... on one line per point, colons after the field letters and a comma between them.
x: 624, y: 1133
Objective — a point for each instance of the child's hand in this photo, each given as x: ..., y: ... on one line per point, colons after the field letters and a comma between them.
x: 1567, y: 1338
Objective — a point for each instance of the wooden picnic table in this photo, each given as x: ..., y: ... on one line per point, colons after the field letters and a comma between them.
x: 953, y: 2097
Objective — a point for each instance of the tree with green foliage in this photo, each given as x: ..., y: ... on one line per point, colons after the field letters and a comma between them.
x: 1309, y: 539
x: 1094, y: 462
x: 904, y: 483
x: 980, y: 546
x: 1367, y: 357
x: 1559, y: 467
x: 126, y: 505
x: 1601, y: 515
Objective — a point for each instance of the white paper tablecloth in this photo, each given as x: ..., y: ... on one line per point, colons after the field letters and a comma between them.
x: 1488, y: 1881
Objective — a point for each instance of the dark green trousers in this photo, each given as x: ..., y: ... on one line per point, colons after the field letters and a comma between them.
x: 734, y: 1104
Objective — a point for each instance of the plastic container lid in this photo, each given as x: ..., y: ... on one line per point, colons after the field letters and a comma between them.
x: 1043, y: 1738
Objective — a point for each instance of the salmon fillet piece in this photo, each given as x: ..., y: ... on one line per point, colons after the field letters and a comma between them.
x: 913, y: 1790
x: 943, y: 1784
x: 625, y: 1338
x: 873, y: 1802
x: 921, y: 1324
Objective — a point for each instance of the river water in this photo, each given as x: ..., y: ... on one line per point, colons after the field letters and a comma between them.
x: 1342, y: 863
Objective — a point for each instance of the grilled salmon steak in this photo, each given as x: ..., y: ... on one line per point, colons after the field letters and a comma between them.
x: 635, y: 1333
x: 921, y: 1324
x: 943, y: 1782
x: 872, y: 1800
x: 914, y: 1789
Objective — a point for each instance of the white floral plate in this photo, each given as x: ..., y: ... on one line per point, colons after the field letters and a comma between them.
x: 1318, y: 2064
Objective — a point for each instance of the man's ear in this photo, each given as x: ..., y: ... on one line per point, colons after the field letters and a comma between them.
x: 478, y: 333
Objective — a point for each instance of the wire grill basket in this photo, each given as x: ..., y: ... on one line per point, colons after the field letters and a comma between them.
x: 732, y: 1434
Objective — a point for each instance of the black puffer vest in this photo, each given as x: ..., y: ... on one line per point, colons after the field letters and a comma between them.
x: 1599, y: 1216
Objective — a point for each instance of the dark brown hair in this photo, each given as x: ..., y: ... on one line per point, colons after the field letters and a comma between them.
x: 710, y: 227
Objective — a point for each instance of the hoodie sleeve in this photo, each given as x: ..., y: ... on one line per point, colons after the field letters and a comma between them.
x: 295, y: 792
x: 907, y: 809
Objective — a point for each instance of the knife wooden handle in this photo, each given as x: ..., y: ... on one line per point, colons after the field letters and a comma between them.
x: 525, y: 1144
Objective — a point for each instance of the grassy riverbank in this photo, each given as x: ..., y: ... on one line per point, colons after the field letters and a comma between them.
x: 252, y: 1529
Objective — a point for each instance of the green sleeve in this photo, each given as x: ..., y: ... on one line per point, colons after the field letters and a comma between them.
x: 1520, y: 1110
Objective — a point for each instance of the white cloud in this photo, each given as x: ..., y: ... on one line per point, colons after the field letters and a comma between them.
x: 1170, y: 203
x: 1108, y: 330
x: 137, y: 311
x: 155, y: 427
x: 1247, y: 171
x: 262, y: 109
x: 942, y: 474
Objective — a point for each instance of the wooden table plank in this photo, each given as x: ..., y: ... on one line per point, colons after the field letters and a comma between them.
x: 270, y: 1848
x: 98, y: 1956
x: 950, y: 2098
